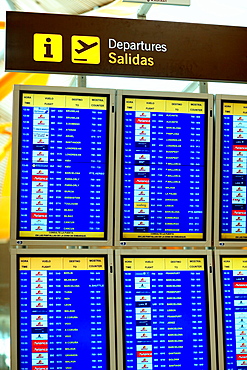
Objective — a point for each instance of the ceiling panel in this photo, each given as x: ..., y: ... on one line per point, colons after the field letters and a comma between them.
x: 58, y: 6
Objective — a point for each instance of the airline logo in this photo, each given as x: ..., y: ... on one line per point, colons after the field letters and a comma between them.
x: 42, y: 336
x: 142, y: 298
x: 240, y: 303
x: 143, y: 114
x: 39, y: 172
x: 146, y: 347
x: 143, y: 310
x: 38, y: 273
x: 142, y: 168
x: 142, y: 157
x: 138, y: 211
x: 141, y: 223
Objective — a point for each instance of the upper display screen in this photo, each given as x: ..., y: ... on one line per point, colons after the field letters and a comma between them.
x: 63, y: 166
x: 164, y: 169
x: 233, y: 170
x: 234, y: 293
x: 162, y: 327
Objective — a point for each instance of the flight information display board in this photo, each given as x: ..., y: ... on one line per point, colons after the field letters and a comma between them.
x: 232, y: 120
x: 62, y: 312
x: 234, y: 311
x: 63, y: 165
x: 164, y: 169
x: 165, y: 313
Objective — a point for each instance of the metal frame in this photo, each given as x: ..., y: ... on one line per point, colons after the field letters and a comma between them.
x: 15, y: 164
x: 218, y: 242
x: 163, y: 253
x: 208, y: 181
x: 15, y: 253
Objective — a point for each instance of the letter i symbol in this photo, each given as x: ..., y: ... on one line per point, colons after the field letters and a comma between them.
x: 48, y: 53
x: 47, y: 47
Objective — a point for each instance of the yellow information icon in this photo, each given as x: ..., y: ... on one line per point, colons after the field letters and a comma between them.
x: 85, y: 49
x: 47, y: 47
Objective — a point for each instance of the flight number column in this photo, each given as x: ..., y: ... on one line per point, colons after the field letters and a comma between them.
x: 157, y: 164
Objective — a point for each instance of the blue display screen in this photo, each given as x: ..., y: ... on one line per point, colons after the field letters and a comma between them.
x: 165, y: 313
x: 234, y: 294
x: 63, y: 166
x: 233, y: 170
x: 164, y: 169
x: 62, y: 313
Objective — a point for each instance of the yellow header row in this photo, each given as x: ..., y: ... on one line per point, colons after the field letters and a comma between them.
x: 61, y: 263
x: 235, y: 109
x: 234, y: 263
x: 163, y: 264
x: 64, y: 101
x: 165, y: 106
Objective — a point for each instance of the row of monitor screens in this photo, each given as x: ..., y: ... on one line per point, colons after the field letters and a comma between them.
x: 63, y: 310
x: 72, y: 166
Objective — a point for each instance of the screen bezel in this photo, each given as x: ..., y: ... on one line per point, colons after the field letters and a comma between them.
x: 218, y: 240
x: 16, y: 168
x: 124, y: 242
x: 207, y: 255
x: 109, y: 295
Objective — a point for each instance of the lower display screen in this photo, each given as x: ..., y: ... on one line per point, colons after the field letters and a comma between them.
x: 165, y: 313
x: 234, y: 291
x: 62, y: 313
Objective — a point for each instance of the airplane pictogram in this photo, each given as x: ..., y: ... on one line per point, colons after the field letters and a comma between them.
x: 85, y: 46
x: 85, y: 49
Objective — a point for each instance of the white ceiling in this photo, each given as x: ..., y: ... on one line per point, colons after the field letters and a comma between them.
x: 58, y: 6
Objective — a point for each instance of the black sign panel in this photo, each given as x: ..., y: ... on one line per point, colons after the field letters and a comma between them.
x: 92, y: 45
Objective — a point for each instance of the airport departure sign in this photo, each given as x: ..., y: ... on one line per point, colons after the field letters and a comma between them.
x: 163, y: 169
x: 62, y: 313
x: 233, y: 171
x: 73, y: 44
x: 234, y: 292
x: 162, y: 327
x: 63, y: 166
